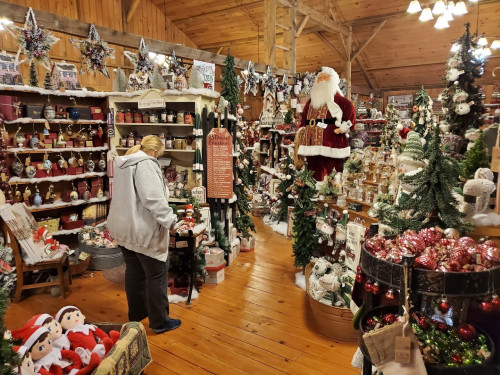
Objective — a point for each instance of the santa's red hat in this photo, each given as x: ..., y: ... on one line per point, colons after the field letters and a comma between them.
x: 403, y: 131
x: 61, y: 312
x: 29, y: 335
x: 189, y: 208
x: 35, y: 320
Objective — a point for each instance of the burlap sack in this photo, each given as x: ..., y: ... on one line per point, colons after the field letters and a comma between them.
x: 380, y: 343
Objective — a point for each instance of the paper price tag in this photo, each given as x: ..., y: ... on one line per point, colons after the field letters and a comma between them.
x: 322, y: 125
x: 47, y: 196
x: 402, y: 353
x: 40, y: 166
x: 4, y: 177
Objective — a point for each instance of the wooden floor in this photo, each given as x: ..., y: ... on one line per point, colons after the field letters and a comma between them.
x: 255, y: 322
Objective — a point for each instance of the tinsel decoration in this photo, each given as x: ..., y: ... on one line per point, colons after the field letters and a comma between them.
x: 34, y: 42
x: 141, y: 61
x: 251, y: 80
x: 176, y: 65
x: 94, y: 52
x: 304, y: 238
x: 269, y: 82
x: 307, y: 83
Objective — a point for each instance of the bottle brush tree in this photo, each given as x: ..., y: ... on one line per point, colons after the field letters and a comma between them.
x: 230, y: 88
x: 475, y: 158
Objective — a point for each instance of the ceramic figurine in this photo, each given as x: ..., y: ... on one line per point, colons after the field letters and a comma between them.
x: 49, y: 113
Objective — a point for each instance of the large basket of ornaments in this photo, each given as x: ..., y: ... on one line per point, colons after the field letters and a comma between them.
x: 448, y: 280
x: 103, y: 251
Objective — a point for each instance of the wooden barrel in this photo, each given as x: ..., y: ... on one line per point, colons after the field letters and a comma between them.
x: 331, y: 321
x: 103, y: 258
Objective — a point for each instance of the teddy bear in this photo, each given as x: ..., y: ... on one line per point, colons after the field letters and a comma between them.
x: 480, y: 188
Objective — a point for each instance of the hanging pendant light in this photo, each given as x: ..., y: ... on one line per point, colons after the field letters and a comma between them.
x: 441, y: 23
x: 486, y: 52
x: 426, y: 15
x: 439, y: 7
x: 414, y: 7
x: 482, y: 41
x: 495, y: 44
x: 460, y: 8
x: 447, y: 14
x: 450, y: 6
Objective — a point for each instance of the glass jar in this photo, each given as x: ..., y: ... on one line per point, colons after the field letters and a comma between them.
x: 368, y: 196
x: 188, y: 118
x: 120, y: 117
x: 145, y: 116
x: 129, y: 117
x: 170, y: 117
x: 180, y: 117
x: 163, y: 115
x: 138, y: 140
x: 131, y: 140
x: 153, y: 117
x: 137, y: 117
x: 169, y: 142
x: 342, y: 201
x: 124, y: 142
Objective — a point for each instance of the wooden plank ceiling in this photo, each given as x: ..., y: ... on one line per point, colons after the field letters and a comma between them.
x: 405, y: 52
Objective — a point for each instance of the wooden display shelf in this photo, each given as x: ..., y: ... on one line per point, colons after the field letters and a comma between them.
x: 68, y: 93
x: 27, y: 150
x: 21, y: 181
x: 367, y: 182
x: 61, y: 204
x: 174, y: 124
x: 177, y: 200
x: 66, y: 232
x: 29, y: 120
x: 352, y: 214
x: 171, y: 150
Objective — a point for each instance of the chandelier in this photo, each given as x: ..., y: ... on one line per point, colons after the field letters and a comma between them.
x: 444, y: 10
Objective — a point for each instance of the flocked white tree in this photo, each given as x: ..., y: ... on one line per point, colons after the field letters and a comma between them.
x: 120, y: 82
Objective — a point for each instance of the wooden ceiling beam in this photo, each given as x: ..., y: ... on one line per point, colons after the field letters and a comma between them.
x: 303, y: 24
x: 325, y: 22
x: 364, y: 74
x: 270, y: 32
x: 368, y: 40
x: 329, y: 44
x: 220, y: 12
x: 132, y: 9
x: 57, y: 23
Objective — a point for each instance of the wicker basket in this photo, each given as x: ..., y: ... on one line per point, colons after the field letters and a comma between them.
x: 331, y: 321
x: 52, y: 224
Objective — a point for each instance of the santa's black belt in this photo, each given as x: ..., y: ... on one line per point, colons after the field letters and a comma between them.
x: 328, y: 121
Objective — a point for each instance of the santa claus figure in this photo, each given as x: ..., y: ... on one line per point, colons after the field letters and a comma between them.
x: 327, y: 118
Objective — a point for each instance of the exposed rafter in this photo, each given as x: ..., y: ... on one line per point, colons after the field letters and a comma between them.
x: 329, y: 44
x: 364, y: 74
x: 368, y: 40
x: 132, y: 9
x: 303, y: 24
x: 220, y: 12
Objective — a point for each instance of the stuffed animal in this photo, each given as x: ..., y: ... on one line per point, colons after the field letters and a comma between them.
x: 481, y: 187
x: 472, y: 135
x: 85, y: 339
x: 27, y: 366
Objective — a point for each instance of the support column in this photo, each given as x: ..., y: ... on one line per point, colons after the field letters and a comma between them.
x: 348, y: 62
x: 290, y: 38
x: 270, y: 32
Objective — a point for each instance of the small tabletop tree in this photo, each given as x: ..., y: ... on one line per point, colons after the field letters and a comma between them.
x: 230, y: 88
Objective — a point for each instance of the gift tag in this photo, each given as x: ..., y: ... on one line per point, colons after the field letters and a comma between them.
x: 321, y: 124
x: 40, y: 166
x: 402, y: 353
x: 4, y: 177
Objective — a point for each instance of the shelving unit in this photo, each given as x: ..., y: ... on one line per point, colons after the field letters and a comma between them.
x: 153, y: 124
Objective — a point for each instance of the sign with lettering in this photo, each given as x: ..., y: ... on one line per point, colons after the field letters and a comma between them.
x: 219, y: 164
x: 151, y: 103
x: 200, y: 193
x: 207, y: 70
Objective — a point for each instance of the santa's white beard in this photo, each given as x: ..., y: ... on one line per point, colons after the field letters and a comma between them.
x: 321, y: 93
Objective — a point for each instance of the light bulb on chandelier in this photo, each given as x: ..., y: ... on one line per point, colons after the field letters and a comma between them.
x: 414, y: 7
x: 426, y: 15
x: 439, y: 7
x: 460, y: 9
x: 441, y: 23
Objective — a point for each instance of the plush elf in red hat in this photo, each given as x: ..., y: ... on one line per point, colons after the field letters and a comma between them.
x: 27, y: 366
x: 47, y: 360
x: 85, y: 339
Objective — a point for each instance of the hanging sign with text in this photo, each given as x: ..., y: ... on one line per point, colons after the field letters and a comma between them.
x: 219, y: 164
x: 207, y: 70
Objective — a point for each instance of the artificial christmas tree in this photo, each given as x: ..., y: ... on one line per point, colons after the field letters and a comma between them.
x: 422, y: 114
x: 9, y: 359
x: 304, y: 238
x: 288, y: 171
x: 157, y: 81
x: 230, y: 89
x: 432, y: 202
x: 33, y: 77
x: 390, y: 137
x: 219, y: 235
x: 120, y: 82
x: 47, y: 82
x: 475, y: 158
x: 462, y: 103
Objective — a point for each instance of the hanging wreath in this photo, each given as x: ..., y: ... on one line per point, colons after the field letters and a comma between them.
x: 270, y: 83
x: 34, y: 41
x: 176, y: 66
x: 94, y: 52
x: 251, y: 80
x: 141, y: 61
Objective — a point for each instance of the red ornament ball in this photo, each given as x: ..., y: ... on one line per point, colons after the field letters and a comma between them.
x: 423, y: 322
x: 370, y: 322
x: 359, y: 277
x: 389, y: 318
x: 457, y: 358
x: 389, y: 294
x: 368, y: 287
x: 425, y: 261
x: 486, y: 306
x: 375, y: 288
x: 495, y: 301
x: 466, y: 332
x: 444, y: 306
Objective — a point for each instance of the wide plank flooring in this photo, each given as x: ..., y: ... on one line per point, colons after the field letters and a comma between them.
x: 255, y: 322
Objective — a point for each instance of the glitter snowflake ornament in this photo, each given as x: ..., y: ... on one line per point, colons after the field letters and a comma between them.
x: 269, y: 82
x: 94, y: 52
x: 141, y: 61
x: 251, y: 79
x: 34, y: 42
x: 176, y: 65
x: 285, y: 87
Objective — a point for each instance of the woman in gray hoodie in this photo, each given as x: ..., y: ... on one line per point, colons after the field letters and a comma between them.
x: 139, y: 221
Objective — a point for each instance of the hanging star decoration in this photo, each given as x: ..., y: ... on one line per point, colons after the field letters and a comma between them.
x: 176, y: 65
x: 251, y: 79
x: 285, y: 87
x: 270, y: 82
x: 34, y: 41
x: 141, y: 61
x: 308, y: 83
x: 94, y: 52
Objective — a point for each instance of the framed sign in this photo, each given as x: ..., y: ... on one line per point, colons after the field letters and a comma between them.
x: 219, y: 164
x: 207, y: 70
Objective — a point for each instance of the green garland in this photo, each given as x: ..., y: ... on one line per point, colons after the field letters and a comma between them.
x: 219, y: 235
x: 8, y: 357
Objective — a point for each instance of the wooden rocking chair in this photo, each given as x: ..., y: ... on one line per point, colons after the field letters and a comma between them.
x: 22, y: 267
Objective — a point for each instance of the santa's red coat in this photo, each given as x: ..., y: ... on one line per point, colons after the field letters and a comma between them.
x: 321, y: 165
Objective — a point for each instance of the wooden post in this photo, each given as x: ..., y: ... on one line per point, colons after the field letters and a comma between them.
x: 348, y: 62
x: 270, y: 32
x: 290, y: 38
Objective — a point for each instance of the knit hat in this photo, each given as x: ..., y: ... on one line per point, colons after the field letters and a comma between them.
x: 413, y: 153
x: 29, y: 335
x: 61, y: 312
x: 189, y: 208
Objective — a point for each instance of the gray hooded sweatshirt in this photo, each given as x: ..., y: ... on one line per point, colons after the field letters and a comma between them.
x: 140, y: 217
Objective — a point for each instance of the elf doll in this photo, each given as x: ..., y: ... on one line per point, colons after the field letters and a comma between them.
x: 27, y: 366
x: 47, y: 360
x: 327, y: 118
x: 85, y: 339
